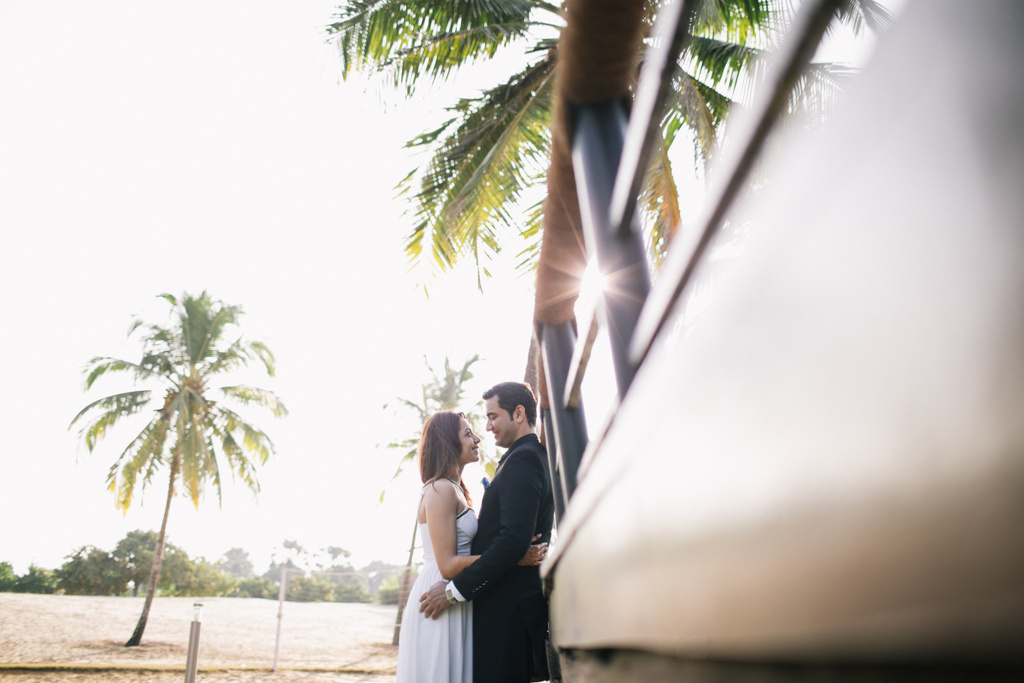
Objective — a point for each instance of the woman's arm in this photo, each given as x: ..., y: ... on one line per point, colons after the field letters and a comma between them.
x: 533, y: 557
x: 441, y: 504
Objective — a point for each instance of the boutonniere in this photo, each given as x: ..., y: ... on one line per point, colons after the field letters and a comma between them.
x: 486, y: 482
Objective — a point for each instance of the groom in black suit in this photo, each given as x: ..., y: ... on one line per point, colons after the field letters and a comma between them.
x: 510, y: 613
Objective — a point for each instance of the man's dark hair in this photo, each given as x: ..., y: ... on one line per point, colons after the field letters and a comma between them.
x: 512, y: 394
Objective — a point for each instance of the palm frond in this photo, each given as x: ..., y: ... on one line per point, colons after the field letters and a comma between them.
x: 178, y: 409
x: 819, y: 89
x: 235, y: 356
x: 410, y: 446
x: 660, y: 202
x: 719, y: 62
x: 861, y: 14
x: 424, y: 41
x: 254, y: 440
x: 529, y: 255
x: 263, y: 352
x: 143, y: 455
x: 99, y: 366
x: 254, y: 396
x: 211, y: 469
x: 238, y: 354
x: 420, y: 410
x: 115, y: 407
x: 740, y: 21
x: 438, y: 56
x: 97, y: 429
x: 153, y: 446
x: 483, y: 167
x: 699, y: 108
x: 202, y: 322
x: 201, y: 464
x: 239, y: 464
x: 159, y: 363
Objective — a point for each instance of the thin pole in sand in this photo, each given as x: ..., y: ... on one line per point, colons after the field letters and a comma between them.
x: 280, y: 613
x: 192, y: 662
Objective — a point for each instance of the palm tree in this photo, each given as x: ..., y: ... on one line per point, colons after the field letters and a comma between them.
x: 491, y: 155
x: 189, y: 433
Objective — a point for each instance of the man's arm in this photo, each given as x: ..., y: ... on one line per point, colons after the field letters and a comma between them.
x: 443, y: 595
x: 523, y: 481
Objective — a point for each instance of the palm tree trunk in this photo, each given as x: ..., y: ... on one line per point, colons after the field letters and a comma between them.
x: 158, y: 558
x: 406, y: 584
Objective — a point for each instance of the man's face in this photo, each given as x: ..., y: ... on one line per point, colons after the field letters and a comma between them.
x: 500, y: 423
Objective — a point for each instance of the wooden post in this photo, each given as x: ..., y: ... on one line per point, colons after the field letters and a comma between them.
x: 404, y: 584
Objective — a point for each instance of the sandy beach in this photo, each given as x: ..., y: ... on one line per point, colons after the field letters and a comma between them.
x: 81, y: 638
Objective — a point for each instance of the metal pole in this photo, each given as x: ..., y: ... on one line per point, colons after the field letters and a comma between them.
x: 554, y: 466
x: 570, y: 425
x: 280, y: 613
x: 192, y: 662
x: 596, y: 150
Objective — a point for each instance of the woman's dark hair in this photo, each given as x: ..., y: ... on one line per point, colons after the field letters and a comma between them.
x: 440, y: 448
x: 512, y: 394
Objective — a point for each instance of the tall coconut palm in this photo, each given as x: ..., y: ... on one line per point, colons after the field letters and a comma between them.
x: 493, y: 151
x: 189, y: 433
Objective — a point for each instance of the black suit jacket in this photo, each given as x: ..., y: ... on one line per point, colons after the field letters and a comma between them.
x: 510, y: 617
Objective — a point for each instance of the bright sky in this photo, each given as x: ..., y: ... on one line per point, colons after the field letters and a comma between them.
x: 151, y: 147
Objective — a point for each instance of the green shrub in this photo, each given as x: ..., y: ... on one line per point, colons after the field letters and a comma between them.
x: 309, y: 589
x: 254, y: 587
x: 348, y: 592
x: 197, y: 578
x: 8, y: 580
x: 91, y: 571
x: 390, y: 590
x: 37, y: 580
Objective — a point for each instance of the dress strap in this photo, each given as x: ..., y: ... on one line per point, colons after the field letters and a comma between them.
x: 459, y: 487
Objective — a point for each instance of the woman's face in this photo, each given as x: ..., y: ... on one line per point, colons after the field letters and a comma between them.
x: 470, y: 443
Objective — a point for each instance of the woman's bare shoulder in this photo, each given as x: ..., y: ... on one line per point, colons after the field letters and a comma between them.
x: 439, y: 490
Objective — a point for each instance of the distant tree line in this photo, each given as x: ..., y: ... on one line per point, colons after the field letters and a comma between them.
x: 36, y: 580
x: 124, y: 571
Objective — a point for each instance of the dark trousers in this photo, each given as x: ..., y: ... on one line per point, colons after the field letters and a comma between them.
x: 508, y: 639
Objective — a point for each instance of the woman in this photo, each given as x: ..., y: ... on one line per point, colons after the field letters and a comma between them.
x: 439, y: 650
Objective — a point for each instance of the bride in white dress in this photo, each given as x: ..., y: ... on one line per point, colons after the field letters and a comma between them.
x: 440, y: 650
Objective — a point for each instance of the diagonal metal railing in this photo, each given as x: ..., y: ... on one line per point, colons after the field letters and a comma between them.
x: 611, y: 146
x: 610, y: 149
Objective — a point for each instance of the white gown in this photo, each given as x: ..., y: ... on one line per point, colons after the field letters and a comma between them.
x: 441, y: 650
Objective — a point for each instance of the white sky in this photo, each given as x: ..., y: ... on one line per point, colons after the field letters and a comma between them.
x: 150, y: 147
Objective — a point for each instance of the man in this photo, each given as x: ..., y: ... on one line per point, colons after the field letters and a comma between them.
x: 510, y: 613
